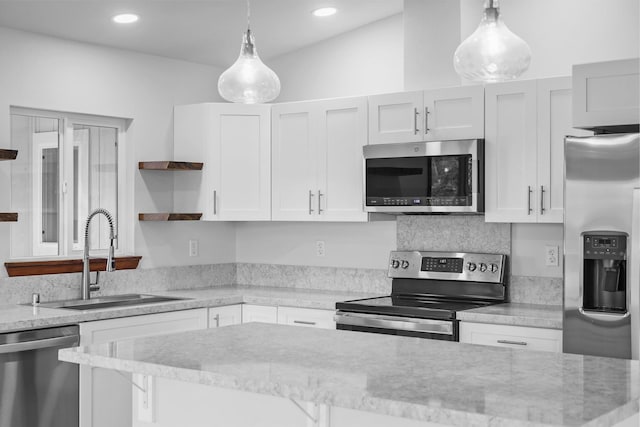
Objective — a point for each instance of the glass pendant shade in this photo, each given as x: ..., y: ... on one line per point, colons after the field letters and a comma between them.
x: 492, y: 53
x: 248, y: 80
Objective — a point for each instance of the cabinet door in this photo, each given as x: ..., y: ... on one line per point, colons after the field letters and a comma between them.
x: 306, y: 317
x: 520, y: 337
x: 454, y: 113
x: 241, y: 157
x: 342, y: 134
x: 225, y: 315
x: 259, y: 313
x: 510, y: 152
x: 606, y: 93
x: 554, y: 123
x: 396, y: 117
x: 105, y: 396
x: 294, y: 161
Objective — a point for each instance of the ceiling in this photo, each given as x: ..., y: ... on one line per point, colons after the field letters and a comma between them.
x: 203, y: 31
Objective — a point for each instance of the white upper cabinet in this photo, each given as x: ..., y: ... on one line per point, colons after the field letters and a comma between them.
x: 606, y: 94
x: 317, y: 160
x: 526, y: 123
x: 432, y: 115
x: 233, y: 141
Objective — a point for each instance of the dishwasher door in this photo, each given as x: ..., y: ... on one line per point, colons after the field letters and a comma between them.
x: 36, y: 389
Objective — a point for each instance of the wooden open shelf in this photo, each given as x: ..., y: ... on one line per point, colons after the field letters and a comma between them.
x: 36, y: 268
x: 169, y: 216
x: 8, y: 217
x: 8, y: 154
x: 170, y: 166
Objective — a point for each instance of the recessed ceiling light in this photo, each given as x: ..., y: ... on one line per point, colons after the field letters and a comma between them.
x: 125, y: 18
x: 325, y: 11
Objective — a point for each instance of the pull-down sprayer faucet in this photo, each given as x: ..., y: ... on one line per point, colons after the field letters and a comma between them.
x: 87, y: 287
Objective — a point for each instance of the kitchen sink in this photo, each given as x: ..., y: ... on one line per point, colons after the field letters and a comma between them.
x: 109, y: 302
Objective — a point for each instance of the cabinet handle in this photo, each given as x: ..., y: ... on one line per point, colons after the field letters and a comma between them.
x: 320, y: 202
x: 310, y: 202
x: 304, y: 322
x: 512, y: 342
x: 217, y: 320
x: 215, y: 202
x: 529, y: 191
x: 542, y: 199
x: 426, y: 119
x: 415, y: 121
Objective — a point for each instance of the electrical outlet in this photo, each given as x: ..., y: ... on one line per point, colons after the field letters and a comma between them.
x: 551, y: 255
x: 193, y: 248
x: 319, y: 247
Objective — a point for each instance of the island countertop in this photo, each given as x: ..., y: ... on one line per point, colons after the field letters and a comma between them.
x: 437, y: 381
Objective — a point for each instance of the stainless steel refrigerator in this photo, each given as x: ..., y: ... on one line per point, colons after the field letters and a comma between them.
x: 602, y: 245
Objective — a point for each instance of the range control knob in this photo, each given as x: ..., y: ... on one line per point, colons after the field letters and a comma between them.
x: 404, y: 264
x: 471, y: 266
x: 483, y: 267
x: 395, y: 263
x: 494, y: 268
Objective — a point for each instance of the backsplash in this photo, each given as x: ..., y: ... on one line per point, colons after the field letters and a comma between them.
x: 18, y: 290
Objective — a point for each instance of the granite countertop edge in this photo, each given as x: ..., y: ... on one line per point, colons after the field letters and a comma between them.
x: 14, y: 317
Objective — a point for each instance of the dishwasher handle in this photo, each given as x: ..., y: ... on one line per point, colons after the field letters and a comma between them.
x: 69, y: 341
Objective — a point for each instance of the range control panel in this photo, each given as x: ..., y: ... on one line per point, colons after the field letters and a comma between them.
x: 477, y: 267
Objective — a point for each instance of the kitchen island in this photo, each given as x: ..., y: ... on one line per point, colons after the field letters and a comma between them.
x: 288, y: 375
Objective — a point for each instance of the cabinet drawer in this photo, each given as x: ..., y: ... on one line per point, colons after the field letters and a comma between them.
x: 511, y: 336
x: 225, y: 315
x: 306, y: 317
x: 259, y: 313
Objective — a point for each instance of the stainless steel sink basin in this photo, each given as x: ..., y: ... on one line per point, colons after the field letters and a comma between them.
x: 109, y: 302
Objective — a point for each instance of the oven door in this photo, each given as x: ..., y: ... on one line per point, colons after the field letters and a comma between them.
x: 446, y: 330
x: 438, y: 176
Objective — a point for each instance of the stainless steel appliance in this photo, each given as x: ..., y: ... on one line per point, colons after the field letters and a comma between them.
x: 37, y: 390
x: 428, y: 288
x: 425, y: 177
x: 602, y: 245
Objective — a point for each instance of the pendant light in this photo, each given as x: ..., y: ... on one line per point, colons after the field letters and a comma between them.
x: 492, y: 53
x: 248, y: 80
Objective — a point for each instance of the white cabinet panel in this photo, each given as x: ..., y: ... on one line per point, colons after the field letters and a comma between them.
x: 234, y: 142
x: 306, y: 317
x: 606, y: 93
x: 259, y: 313
x: 105, y: 396
x: 225, y: 315
x: 454, y: 113
x: 395, y: 117
x: 510, y: 152
x: 511, y: 336
x: 317, y: 160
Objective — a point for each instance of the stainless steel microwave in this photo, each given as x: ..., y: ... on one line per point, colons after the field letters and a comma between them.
x: 425, y: 177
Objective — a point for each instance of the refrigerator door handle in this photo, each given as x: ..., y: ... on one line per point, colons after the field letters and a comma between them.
x: 634, y: 276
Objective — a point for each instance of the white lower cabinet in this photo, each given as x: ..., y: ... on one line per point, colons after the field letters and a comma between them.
x: 259, y: 313
x: 105, y: 395
x: 306, y: 317
x: 511, y: 336
x: 225, y: 315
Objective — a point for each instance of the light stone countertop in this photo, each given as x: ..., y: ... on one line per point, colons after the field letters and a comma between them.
x: 19, y: 317
x: 534, y: 315
x: 429, y: 380
x: 15, y: 317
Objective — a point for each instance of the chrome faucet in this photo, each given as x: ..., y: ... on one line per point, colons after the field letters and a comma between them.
x: 87, y: 286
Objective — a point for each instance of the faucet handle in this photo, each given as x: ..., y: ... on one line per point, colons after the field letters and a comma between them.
x: 94, y: 287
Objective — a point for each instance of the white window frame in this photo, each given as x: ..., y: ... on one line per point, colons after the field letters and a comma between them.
x: 125, y: 216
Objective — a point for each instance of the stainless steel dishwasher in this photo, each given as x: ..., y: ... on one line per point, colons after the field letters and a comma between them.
x: 36, y: 389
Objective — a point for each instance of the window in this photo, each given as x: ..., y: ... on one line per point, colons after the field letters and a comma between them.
x: 68, y: 166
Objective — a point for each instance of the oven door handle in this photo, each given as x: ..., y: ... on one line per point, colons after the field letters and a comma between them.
x: 395, y: 322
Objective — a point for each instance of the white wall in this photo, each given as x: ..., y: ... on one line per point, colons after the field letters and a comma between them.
x: 48, y: 73
x: 364, y: 61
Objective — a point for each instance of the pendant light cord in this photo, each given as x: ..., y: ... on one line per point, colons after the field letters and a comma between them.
x: 249, y: 15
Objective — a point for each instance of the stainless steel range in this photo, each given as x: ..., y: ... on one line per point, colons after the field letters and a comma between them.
x: 428, y: 289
